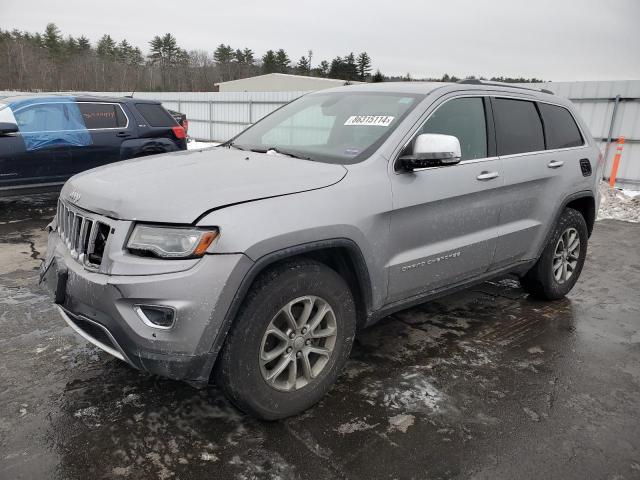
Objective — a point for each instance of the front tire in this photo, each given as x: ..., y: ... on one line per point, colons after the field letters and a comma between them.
x: 289, y: 342
x: 558, y: 268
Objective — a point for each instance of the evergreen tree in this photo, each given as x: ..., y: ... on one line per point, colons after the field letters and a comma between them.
x: 83, y: 44
x: 52, y: 39
x: 106, y: 47
x: 249, y: 57
x: 303, y: 67
x: 324, y: 68
x: 223, y: 55
x: 377, y: 77
x: 336, y: 69
x: 71, y: 45
x: 269, y: 62
x: 123, y: 51
x: 282, y: 61
x: 351, y: 68
x: 364, y: 65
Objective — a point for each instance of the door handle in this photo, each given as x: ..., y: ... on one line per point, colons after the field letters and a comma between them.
x: 555, y: 164
x: 487, y: 176
x: 123, y: 134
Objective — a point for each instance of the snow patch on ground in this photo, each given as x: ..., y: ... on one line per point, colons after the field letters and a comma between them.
x: 414, y: 393
x: 354, y: 426
x: 401, y: 422
x: 619, y: 204
x: 197, y: 145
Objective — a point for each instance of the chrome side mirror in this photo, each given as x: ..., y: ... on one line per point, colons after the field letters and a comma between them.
x: 432, y: 150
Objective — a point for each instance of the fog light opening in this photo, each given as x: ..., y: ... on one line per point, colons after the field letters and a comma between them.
x: 156, y: 316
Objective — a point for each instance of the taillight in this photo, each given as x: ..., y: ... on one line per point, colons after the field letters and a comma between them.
x: 185, y: 125
x: 179, y: 132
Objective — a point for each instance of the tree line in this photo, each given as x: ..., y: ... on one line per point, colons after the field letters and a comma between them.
x: 49, y: 61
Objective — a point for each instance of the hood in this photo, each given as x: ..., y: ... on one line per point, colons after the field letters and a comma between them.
x: 180, y: 187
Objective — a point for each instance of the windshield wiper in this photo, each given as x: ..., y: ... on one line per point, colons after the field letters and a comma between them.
x: 282, y: 152
x: 230, y: 144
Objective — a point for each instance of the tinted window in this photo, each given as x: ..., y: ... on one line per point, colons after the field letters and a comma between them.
x: 156, y: 115
x: 102, y: 115
x: 560, y: 127
x: 518, y: 126
x: 463, y: 118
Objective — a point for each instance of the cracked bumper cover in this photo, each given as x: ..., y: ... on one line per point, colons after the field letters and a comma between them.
x: 100, y: 308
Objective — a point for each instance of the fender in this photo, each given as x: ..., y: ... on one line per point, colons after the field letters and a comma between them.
x: 361, y: 271
x: 568, y: 199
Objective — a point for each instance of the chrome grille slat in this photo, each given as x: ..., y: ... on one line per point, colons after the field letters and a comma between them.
x: 79, y: 232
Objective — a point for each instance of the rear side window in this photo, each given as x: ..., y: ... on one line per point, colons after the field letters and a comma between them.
x: 560, y: 127
x: 156, y: 115
x: 102, y: 115
x: 518, y: 126
x: 463, y: 118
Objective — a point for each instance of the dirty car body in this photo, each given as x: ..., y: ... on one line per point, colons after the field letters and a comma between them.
x: 354, y: 193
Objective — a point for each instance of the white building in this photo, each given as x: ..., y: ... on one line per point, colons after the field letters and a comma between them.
x: 279, y: 82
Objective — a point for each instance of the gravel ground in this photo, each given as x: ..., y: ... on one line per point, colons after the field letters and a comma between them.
x: 618, y: 204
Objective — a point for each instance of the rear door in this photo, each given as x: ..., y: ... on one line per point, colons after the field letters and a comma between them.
x: 109, y: 126
x: 444, y: 219
x: 540, y: 146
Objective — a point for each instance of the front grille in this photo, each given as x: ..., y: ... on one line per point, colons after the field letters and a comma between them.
x: 84, y: 236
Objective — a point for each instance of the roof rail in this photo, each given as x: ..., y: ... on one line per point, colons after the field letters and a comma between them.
x: 475, y: 81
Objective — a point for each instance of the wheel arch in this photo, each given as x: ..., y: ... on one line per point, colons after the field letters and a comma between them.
x: 584, y: 202
x: 586, y: 205
x: 340, y: 254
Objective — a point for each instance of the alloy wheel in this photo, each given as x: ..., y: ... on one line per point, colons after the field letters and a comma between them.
x: 298, y: 343
x: 566, y: 255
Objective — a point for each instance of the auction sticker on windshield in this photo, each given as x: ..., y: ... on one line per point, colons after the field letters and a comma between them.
x: 377, y: 120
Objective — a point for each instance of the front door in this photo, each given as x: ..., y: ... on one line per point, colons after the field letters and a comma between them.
x: 49, y: 128
x: 444, y: 219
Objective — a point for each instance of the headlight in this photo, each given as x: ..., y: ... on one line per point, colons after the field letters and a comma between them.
x: 170, y: 242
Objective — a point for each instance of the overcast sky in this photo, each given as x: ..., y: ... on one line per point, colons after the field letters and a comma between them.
x: 549, y: 39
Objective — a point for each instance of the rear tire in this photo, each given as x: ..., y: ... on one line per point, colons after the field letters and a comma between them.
x: 558, y: 268
x: 277, y: 320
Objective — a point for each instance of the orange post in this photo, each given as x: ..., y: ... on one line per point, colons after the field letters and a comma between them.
x: 616, y: 162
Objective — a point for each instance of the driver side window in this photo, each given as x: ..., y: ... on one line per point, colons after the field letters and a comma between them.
x: 465, y: 119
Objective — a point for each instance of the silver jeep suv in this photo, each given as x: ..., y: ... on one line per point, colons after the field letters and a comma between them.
x: 254, y: 263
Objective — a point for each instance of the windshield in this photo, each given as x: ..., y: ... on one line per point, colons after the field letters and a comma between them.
x: 343, y: 128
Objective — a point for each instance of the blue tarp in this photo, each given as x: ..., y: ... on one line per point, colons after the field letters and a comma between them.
x: 50, y: 122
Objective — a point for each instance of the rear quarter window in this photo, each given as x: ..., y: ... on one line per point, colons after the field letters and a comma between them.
x: 518, y: 126
x: 560, y: 127
x: 102, y: 115
x: 155, y: 115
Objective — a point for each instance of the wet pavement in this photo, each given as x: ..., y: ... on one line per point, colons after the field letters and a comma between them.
x: 487, y: 383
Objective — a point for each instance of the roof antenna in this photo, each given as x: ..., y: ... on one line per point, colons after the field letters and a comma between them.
x: 135, y: 87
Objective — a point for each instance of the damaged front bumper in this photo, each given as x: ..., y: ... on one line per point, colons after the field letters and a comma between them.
x: 102, y: 309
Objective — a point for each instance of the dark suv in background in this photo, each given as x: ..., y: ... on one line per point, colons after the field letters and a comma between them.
x: 44, y: 140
